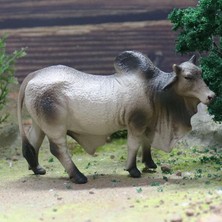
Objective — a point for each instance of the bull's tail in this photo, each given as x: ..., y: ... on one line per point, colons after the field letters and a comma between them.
x: 21, y: 97
x: 28, y: 150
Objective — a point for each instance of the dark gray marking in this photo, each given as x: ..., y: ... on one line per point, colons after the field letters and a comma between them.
x: 138, y: 119
x: 46, y: 104
x: 131, y: 61
x: 30, y: 155
x: 174, y: 106
x: 75, y: 175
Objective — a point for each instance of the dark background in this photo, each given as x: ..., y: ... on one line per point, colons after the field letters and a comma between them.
x: 89, y: 34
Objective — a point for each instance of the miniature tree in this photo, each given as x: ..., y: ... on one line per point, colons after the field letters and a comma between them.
x: 7, y: 65
x: 200, y: 31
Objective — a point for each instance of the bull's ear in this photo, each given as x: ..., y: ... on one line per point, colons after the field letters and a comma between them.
x: 193, y: 59
x: 169, y: 81
x: 172, y: 77
x: 176, y: 69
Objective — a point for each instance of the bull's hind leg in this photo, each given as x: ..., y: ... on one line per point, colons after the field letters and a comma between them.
x: 59, y: 149
x: 133, y: 144
x: 30, y: 148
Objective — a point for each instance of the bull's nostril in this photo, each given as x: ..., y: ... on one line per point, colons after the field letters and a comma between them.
x: 210, y: 98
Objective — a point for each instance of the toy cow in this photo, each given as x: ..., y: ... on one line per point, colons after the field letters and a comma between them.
x: 155, y: 107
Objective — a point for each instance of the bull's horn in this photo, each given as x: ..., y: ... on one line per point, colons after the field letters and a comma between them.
x: 193, y: 59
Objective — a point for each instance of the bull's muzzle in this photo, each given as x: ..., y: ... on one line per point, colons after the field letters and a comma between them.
x: 210, y: 97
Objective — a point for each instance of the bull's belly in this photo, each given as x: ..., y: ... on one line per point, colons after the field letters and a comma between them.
x: 94, y: 126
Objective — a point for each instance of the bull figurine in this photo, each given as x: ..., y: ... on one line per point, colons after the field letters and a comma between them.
x: 154, y: 106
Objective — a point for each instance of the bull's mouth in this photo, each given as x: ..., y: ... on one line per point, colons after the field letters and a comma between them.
x: 209, y: 99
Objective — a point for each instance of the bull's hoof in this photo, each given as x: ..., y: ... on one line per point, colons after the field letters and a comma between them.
x: 39, y: 170
x: 151, y: 165
x: 79, y: 178
x: 134, y: 172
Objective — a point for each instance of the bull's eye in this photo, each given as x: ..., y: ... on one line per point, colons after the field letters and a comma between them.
x: 188, y: 77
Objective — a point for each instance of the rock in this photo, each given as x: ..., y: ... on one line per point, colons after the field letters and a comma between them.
x: 190, y: 212
x: 14, y: 158
x: 208, y: 201
x: 179, y: 173
x: 179, y: 153
x: 216, y: 209
x: 205, y: 132
x: 166, y: 168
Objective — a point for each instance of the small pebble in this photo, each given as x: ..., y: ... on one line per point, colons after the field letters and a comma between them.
x: 189, y: 212
x: 216, y: 209
x: 91, y: 192
x: 14, y: 158
x: 161, y: 201
x: 208, y: 201
x: 18, y: 154
x: 112, y: 157
x: 179, y: 173
x: 166, y: 168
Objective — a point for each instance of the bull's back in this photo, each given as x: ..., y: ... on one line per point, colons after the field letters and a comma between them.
x: 84, y: 103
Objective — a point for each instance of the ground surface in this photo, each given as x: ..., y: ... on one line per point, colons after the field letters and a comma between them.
x: 192, y: 189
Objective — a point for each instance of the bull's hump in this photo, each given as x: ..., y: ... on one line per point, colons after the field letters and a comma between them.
x: 134, y: 62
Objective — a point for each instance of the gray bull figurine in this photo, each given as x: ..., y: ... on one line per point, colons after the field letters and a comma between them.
x: 155, y: 107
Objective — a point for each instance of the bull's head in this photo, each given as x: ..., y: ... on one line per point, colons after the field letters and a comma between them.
x: 187, y: 82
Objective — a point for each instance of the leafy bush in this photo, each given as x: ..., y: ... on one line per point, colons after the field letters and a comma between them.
x: 122, y: 134
x: 7, y: 69
x: 200, y: 30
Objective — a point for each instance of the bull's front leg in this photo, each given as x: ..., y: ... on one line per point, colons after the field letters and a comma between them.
x: 133, y: 144
x: 147, y: 157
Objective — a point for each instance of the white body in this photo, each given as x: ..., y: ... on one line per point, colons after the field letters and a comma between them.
x: 155, y: 107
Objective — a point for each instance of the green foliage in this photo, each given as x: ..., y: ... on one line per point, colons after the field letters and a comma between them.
x: 7, y: 68
x: 212, y: 67
x: 122, y: 134
x: 200, y: 30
